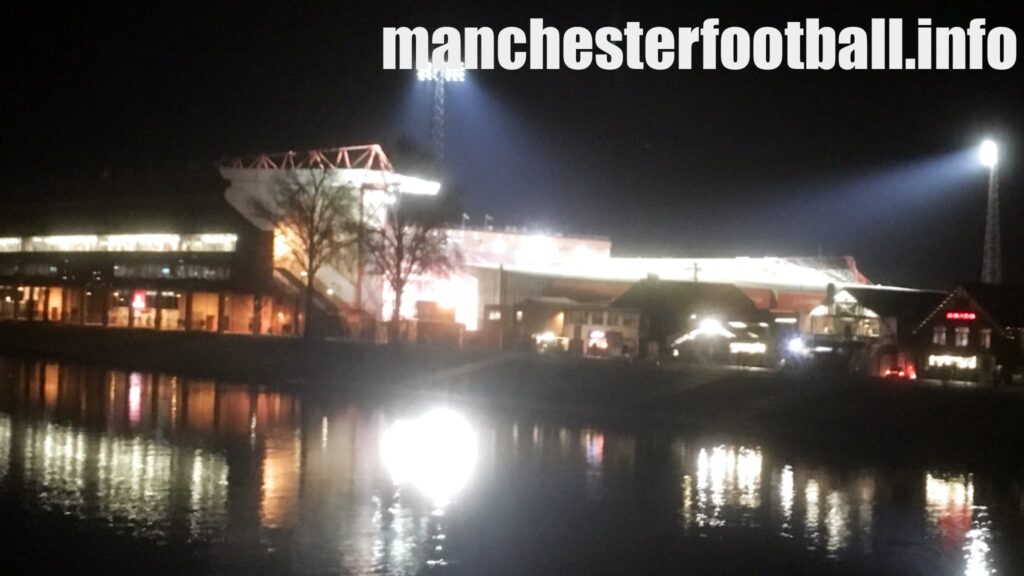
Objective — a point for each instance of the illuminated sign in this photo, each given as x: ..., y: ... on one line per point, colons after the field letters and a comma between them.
x: 961, y: 315
x: 139, y: 300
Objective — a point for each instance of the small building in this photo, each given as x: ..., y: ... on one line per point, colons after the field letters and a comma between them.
x: 976, y: 334
x: 876, y: 323
x: 601, y: 331
x: 673, y: 313
x: 583, y: 328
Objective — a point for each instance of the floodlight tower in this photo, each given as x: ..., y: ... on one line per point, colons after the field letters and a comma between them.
x: 991, y: 270
x: 440, y: 77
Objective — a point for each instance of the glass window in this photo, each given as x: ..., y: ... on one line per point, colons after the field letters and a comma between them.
x: 963, y: 335
x: 628, y: 320
x: 597, y: 317
x: 986, y: 338
x: 614, y: 318
x: 939, y: 335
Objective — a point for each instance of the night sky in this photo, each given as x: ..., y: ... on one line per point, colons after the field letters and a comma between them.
x: 685, y: 163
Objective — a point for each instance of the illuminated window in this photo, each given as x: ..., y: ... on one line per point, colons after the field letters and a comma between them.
x: 985, y: 335
x: 494, y: 315
x: 519, y: 315
x: 190, y: 271
x: 947, y: 361
x: 10, y: 245
x: 939, y: 335
x: 122, y: 243
x: 963, y: 335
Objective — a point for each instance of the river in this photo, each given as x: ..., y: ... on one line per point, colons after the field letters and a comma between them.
x: 139, y: 472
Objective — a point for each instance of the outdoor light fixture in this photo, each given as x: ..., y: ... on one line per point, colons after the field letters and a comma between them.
x: 444, y: 74
x: 796, y: 345
x: 989, y: 153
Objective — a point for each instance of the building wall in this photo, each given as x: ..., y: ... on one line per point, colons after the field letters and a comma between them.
x: 581, y: 323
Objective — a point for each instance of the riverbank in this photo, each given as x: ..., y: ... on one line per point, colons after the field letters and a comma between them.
x: 821, y: 414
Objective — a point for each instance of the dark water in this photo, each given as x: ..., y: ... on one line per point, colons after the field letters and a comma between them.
x: 144, y: 472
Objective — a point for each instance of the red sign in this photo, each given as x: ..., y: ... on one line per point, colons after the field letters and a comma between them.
x: 139, y: 299
x: 961, y: 315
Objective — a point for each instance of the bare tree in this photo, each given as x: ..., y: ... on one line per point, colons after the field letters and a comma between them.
x: 410, y: 241
x: 316, y: 217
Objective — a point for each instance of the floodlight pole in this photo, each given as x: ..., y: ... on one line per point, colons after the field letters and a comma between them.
x: 440, y: 77
x: 991, y: 270
x: 437, y: 120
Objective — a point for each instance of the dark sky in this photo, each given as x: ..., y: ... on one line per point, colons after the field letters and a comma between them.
x: 688, y: 163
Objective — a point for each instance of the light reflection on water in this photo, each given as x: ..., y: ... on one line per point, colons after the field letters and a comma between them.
x: 392, y: 491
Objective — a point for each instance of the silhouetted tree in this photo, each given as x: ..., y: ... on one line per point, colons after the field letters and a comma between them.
x: 316, y: 217
x: 410, y: 241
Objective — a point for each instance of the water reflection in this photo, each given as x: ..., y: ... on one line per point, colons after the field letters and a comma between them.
x: 436, y: 453
x: 728, y: 485
x: 329, y: 487
x: 828, y: 511
x: 962, y: 525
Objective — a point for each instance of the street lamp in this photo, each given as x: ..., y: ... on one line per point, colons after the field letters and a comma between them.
x: 440, y: 77
x: 991, y: 268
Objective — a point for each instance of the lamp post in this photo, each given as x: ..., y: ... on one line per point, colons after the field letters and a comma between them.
x: 440, y: 77
x: 991, y: 270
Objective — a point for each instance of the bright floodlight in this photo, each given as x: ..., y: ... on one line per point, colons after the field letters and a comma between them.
x: 443, y: 74
x: 796, y: 345
x: 989, y: 153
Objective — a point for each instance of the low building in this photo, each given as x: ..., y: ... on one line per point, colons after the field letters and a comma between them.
x: 599, y: 330
x: 157, y: 253
x: 875, y: 323
x: 677, y: 315
x: 976, y: 334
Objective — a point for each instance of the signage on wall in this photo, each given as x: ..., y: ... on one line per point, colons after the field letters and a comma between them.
x: 139, y: 299
x: 961, y: 315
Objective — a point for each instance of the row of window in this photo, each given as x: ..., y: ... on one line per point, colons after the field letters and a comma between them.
x: 961, y: 336
x: 180, y: 271
x: 599, y: 318
x: 172, y: 271
x: 122, y: 243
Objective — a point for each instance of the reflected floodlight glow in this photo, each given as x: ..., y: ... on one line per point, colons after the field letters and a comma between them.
x: 443, y: 74
x: 436, y: 453
x: 989, y: 153
x: 707, y: 327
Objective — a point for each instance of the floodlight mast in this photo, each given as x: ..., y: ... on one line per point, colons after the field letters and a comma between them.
x: 440, y: 77
x: 991, y: 269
